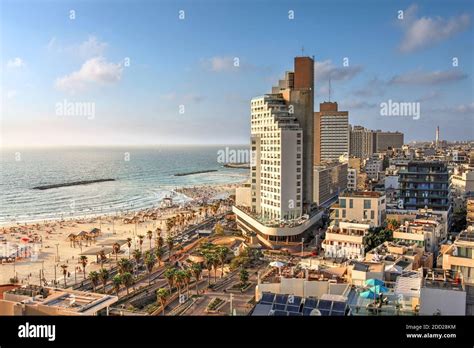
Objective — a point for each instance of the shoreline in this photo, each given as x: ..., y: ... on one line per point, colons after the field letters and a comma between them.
x: 29, y: 247
x: 84, y: 215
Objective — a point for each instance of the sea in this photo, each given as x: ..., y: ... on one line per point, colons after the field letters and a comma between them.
x: 143, y: 177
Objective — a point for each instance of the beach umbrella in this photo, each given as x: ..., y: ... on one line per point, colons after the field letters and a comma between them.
x: 368, y: 294
x: 373, y: 282
x: 379, y: 289
x: 278, y: 264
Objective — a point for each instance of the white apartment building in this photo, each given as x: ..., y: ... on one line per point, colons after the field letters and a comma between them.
x: 345, y: 240
x: 352, y: 179
x: 276, y: 171
x: 426, y: 232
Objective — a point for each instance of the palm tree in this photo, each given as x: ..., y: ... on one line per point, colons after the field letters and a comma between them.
x: 178, y: 279
x: 222, y: 252
x: 169, y: 275
x: 215, y: 264
x: 137, y: 255
x: 187, y: 279
x: 197, y: 270
x: 94, y: 278
x: 150, y: 262
x: 129, y: 244
x: 160, y: 242
x: 116, y: 249
x: 102, y: 258
x: 140, y: 240
x: 162, y: 294
x: 124, y: 265
x: 170, y: 243
x: 209, y: 257
x: 64, y: 267
x: 117, y: 282
x: 83, y: 261
x: 127, y: 280
x: 159, y: 255
x: 150, y: 236
x: 104, y: 277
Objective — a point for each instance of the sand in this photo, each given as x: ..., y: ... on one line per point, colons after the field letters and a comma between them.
x: 52, y: 238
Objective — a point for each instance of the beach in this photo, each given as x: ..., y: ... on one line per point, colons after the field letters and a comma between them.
x: 43, y: 247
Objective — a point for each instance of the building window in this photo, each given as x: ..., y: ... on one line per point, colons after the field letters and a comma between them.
x: 351, y: 203
x: 372, y: 215
x: 343, y: 213
x: 342, y: 203
x: 367, y: 204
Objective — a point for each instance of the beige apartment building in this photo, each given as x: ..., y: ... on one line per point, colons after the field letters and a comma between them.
x: 363, y: 207
x: 459, y: 256
x: 345, y: 240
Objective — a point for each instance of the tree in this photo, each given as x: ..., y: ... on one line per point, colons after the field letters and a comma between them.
x: 83, y: 261
x: 64, y: 267
x: 102, y: 258
x: 127, y: 280
x: 94, y: 278
x: 124, y: 265
x: 170, y: 243
x: 150, y: 236
x: 162, y: 294
x: 209, y: 258
x: 244, y: 276
x: 197, y: 271
x: 117, y: 282
x: 159, y: 252
x: 116, y: 249
x: 104, y: 277
x: 160, y: 242
x: 137, y: 255
x: 150, y: 262
x: 393, y: 224
x: 215, y: 264
x: 179, y: 279
x: 187, y: 279
x: 140, y: 240
x: 222, y: 252
x: 170, y: 276
x: 129, y: 244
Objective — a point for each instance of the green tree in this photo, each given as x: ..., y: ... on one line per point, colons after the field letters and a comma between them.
x: 127, y: 280
x: 117, y: 282
x: 94, y: 278
x: 197, y: 271
x: 244, y: 276
x: 150, y: 262
x: 162, y: 294
x: 83, y: 261
x: 104, y: 277
x: 170, y: 276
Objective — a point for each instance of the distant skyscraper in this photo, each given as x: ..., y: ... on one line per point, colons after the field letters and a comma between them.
x: 331, y: 133
x: 385, y: 140
x: 437, y: 136
x: 362, y: 142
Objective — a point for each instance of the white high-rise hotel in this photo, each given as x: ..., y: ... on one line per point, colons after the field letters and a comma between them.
x: 277, y: 205
x: 276, y: 171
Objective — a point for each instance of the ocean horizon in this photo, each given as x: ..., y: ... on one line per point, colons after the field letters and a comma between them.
x: 143, y: 175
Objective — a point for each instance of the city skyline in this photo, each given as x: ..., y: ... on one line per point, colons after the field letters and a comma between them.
x: 161, y: 91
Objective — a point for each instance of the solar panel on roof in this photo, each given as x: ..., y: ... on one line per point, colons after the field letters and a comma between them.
x: 324, y: 304
x: 293, y: 308
x: 267, y: 297
x: 307, y: 311
x: 281, y: 299
x: 324, y: 312
x: 337, y: 314
x: 294, y: 314
x: 310, y: 303
x: 278, y: 306
x: 338, y: 306
x: 278, y: 313
x: 295, y: 300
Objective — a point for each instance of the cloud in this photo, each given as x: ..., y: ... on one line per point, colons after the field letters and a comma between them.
x: 424, y: 32
x: 221, y: 64
x: 373, y: 87
x: 92, y: 47
x: 325, y: 69
x: 183, y: 98
x: 16, y: 62
x: 94, y: 70
x: 457, y: 109
x: 428, y: 78
x: 358, y: 104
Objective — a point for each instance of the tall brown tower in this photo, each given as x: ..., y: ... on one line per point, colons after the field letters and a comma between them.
x: 301, y: 97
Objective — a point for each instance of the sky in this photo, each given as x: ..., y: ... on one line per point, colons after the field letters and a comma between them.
x: 183, y: 72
